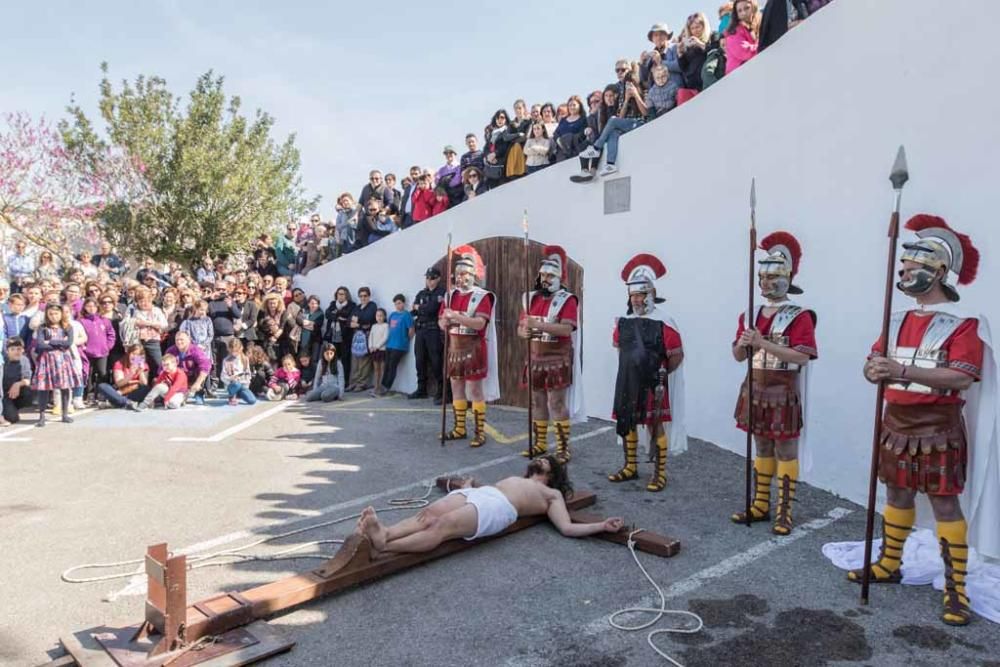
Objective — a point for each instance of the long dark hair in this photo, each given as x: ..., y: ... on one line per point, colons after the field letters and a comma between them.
x: 558, y: 474
x: 493, y: 124
x: 605, y: 113
x: 324, y: 366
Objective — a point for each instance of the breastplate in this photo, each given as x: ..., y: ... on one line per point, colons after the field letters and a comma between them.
x: 779, y: 324
x: 929, y: 354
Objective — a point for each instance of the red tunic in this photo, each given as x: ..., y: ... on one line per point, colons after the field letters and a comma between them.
x: 776, y: 401
x: 801, y: 332
x: 478, y: 367
x: 672, y: 346
x: 965, y: 354
x: 539, y: 307
x: 924, y: 444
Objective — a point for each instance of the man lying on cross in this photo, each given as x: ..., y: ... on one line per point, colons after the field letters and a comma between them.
x: 473, y: 512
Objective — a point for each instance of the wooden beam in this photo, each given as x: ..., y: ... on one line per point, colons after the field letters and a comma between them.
x: 279, y: 596
x: 659, y: 545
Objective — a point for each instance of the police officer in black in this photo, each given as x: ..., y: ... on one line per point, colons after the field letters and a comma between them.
x: 429, y: 345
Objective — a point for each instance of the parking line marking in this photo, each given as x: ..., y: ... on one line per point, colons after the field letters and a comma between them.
x: 232, y: 430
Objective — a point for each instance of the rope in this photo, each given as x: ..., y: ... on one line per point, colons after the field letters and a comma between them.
x: 659, y: 612
x: 235, y: 555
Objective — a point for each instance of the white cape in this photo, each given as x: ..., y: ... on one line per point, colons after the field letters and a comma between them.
x: 980, y: 500
x: 491, y: 385
x: 922, y: 565
x: 574, y: 400
x: 676, y: 429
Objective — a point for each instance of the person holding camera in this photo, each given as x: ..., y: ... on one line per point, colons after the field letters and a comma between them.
x: 631, y: 111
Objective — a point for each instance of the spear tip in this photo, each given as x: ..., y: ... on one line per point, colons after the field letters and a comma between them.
x: 900, y: 173
x: 753, y: 192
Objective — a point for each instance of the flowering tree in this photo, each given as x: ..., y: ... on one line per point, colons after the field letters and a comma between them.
x: 51, y: 196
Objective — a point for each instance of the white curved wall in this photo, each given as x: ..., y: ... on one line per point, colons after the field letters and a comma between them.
x: 817, y: 119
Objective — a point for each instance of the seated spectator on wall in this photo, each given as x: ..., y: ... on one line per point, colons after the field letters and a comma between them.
x: 375, y: 189
x: 17, y: 394
x: 379, y: 223
x: 741, y: 36
x: 473, y: 183
x: 423, y: 199
x: 409, y: 187
x: 285, y: 251
x: 517, y: 134
x: 660, y: 98
x: 473, y: 157
x: 348, y: 224
x: 328, y: 383
x: 170, y: 385
x: 236, y: 374
x: 129, y: 381
x: 285, y: 381
x: 537, y: 148
x: 633, y: 109
x: 548, y: 115
x: 715, y: 61
x: 441, y: 201
x: 570, y: 136
x: 692, y: 50
x: 594, y: 101
x: 449, y: 176
x: 596, y: 122
x: 660, y: 35
x: 395, y: 195
x: 193, y: 363
x: 497, y: 145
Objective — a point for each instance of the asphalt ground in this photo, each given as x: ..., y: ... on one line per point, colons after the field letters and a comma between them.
x: 216, y: 477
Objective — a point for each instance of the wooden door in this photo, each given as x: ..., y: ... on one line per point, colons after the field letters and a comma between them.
x: 504, y: 258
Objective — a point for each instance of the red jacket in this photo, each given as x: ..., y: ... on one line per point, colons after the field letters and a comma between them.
x: 440, y: 205
x: 177, y: 382
x: 423, y: 204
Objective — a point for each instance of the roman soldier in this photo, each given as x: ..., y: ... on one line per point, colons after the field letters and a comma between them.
x: 938, y: 361
x: 782, y: 341
x: 649, y: 389
x: 551, y: 323
x: 467, y: 317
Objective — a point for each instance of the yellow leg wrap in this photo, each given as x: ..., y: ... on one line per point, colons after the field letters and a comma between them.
x: 788, y: 476
x: 631, y: 469
x: 896, y: 526
x: 562, y: 439
x: 540, y: 427
x: 955, y: 553
x: 479, y: 412
x: 458, y: 408
x: 659, y: 479
x: 760, y: 510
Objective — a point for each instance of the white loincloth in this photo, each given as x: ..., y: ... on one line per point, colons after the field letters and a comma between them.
x: 495, y: 512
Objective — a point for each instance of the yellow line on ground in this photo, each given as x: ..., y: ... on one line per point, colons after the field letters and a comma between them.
x: 503, y: 439
x: 388, y: 409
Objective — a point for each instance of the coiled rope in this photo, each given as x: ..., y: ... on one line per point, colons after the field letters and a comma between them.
x: 236, y: 555
x: 659, y: 612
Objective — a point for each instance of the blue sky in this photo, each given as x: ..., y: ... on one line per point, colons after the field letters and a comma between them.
x: 362, y: 85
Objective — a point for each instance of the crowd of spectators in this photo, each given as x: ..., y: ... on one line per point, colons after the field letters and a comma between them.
x: 93, y: 332
x: 239, y: 329
x: 672, y: 71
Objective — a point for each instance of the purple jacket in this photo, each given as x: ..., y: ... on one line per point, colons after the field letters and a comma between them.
x: 194, y: 361
x: 100, y: 335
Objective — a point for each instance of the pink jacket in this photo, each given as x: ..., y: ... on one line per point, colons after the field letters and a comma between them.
x: 741, y: 46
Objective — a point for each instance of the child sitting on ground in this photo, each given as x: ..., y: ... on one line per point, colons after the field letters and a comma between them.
x: 171, y: 385
x: 16, y: 381
x: 377, y: 339
x: 285, y: 382
x: 261, y: 372
x: 236, y: 375
x: 329, y: 382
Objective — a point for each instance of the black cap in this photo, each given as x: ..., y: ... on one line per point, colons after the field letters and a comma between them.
x: 432, y: 272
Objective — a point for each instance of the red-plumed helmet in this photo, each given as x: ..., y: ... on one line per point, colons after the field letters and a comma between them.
x: 554, y: 263
x: 939, y: 245
x: 641, y: 273
x: 469, y: 261
x: 783, y: 256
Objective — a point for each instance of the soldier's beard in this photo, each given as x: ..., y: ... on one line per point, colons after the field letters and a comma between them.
x: 464, y: 282
x: 549, y: 285
x: 921, y: 282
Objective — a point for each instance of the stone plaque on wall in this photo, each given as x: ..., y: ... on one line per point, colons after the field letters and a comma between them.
x: 617, y: 195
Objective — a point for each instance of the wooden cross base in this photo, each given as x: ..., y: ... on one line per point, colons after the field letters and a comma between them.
x: 172, y: 634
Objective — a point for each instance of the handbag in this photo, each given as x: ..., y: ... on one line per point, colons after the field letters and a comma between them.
x: 359, y: 344
x: 516, y: 164
x: 493, y: 172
